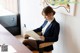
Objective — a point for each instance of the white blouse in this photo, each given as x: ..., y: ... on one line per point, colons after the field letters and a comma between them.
x: 44, y: 29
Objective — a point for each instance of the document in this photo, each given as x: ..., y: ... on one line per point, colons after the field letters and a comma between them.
x: 33, y: 35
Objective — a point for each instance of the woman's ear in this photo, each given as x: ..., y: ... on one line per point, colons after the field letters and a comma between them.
x: 54, y: 12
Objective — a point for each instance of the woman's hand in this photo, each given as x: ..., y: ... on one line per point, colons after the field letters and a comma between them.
x: 42, y: 38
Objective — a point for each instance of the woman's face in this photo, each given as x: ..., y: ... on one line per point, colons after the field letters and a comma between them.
x: 48, y: 16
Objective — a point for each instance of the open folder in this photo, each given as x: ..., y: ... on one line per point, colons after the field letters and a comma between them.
x: 33, y: 35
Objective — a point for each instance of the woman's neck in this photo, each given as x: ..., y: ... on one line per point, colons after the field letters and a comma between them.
x: 51, y: 19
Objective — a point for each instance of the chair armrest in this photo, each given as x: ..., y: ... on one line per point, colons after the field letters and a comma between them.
x: 42, y: 45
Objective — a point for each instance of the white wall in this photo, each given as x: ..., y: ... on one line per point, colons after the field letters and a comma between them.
x: 70, y: 37
x: 30, y: 14
x: 69, y: 40
x: 72, y: 32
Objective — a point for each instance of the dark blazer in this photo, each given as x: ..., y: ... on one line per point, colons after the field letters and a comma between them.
x: 51, y: 34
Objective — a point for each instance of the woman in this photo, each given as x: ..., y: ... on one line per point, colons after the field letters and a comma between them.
x: 49, y: 31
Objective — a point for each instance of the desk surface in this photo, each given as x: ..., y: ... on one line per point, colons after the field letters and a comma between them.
x: 7, y: 38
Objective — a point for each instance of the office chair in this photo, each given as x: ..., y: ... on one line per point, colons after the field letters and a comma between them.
x: 42, y: 45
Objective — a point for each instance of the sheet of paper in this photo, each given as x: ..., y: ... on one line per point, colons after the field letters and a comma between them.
x: 33, y: 34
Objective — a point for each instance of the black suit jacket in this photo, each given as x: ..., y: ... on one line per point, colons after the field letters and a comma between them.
x: 51, y: 34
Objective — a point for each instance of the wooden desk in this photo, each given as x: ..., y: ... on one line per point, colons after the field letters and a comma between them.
x: 7, y: 38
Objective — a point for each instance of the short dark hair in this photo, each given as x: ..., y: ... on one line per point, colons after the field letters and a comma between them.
x: 48, y: 10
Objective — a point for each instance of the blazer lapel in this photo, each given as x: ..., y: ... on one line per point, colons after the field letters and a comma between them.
x: 44, y: 23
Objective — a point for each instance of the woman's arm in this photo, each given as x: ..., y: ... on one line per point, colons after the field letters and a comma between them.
x: 38, y: 29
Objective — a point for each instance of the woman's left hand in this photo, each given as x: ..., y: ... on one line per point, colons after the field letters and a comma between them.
x: 42, y: 38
